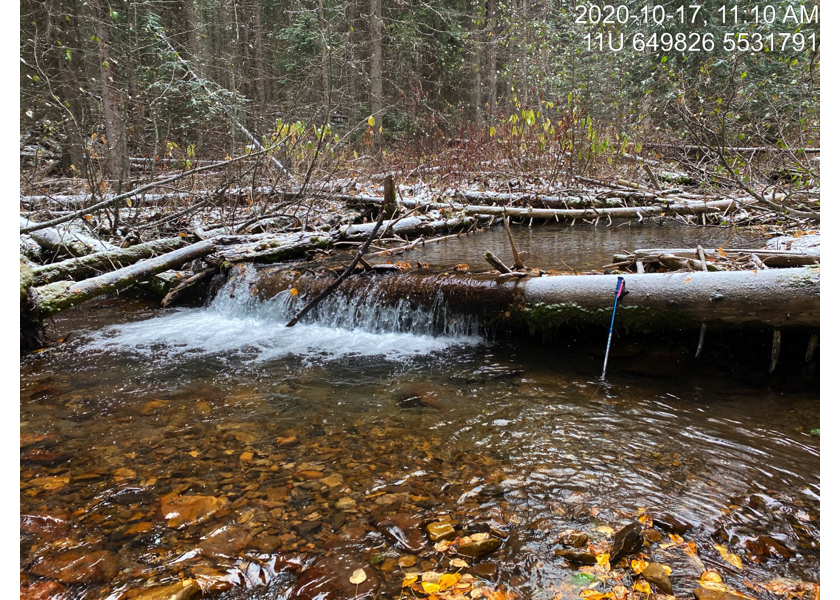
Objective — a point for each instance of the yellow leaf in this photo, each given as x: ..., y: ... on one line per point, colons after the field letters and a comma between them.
x: 603, y: 560
x: 459, y: 563
x: 380, y: 129
x: 732, y: 559
x: 193, y: 453
x: 646, y: 520
x: 710, y: 576
x: 605, y: 529
x: 721, y: 252
x: 358, y: 576
x: 690, y: 548
x: 638, y: 565
x: 293, y: 291
x: 642, y: 586
x: 371, y: 121
x: 447, y: 581
x: 128, y: 203
x: 430, y: 588
x: 409, y: 580
x: 676, y: 538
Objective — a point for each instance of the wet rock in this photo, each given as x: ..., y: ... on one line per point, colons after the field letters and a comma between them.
x: 477, y: 549
x: 580, y: 558
x: 670, y: 524
x: 492, y: 490
x: 419, y: 396
x: 627, y: 541
x: 652, y: 536
x: 404, y: 530
x: 407, y: 561
x: 575, y: 540
x: 338, y: 520
x: 180, y: 590
x: 213, y: 581
x: 307, y: 527
x: 478, y: 527
x: 654, y: 573
x: 180, y: 511
x: 484, y: 569
x: 345, y: 504
x: 702, y: 593
x: 43, y: 590
x: 309, y: 474
x: 128, y: 495
x: 43, y: 457
x: 45, y: 526
x: 225, y: 541
x: 440, y: 531
x: 329, y: 579
x: 287, y: 442
x: 764, y: 547
x: 78, y: 566
x: 139, y: 528
x: 388, y: 565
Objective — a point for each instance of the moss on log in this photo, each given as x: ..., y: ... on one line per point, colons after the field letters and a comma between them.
x: 109, y: 260
x: 49, y: 299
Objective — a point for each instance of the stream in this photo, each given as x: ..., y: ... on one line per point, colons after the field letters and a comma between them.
x: 212, y: 447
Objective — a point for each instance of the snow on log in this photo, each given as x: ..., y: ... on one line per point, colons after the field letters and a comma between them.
x: 109, y: 260
x: 49, y: 299
x: 65, y: 240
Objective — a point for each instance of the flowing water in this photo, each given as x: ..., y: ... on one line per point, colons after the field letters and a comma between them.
x: 214, y: 446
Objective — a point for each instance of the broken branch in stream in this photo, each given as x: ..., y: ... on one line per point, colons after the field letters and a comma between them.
x: 389, y: 201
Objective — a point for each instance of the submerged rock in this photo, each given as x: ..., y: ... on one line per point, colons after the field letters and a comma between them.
x: 670, y: 524
x: 477, y: 549
x: 580, y: 558
x: 441, y: 531
x: 180, y: 590
x: 180, y: 511
x: 404, y: 530
x: 78, y: 566
x: 329, y: 579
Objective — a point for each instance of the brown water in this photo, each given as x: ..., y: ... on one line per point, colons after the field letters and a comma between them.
x: 216, y: 447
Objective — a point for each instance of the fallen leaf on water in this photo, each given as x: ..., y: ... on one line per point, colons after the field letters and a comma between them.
x: 430, y: 588
x: 710, y: 576
x: 606, y: 530
x: 448, y: 580
x: 594, y: 595
x: 646, y: 520
x: 732, y: 559
x: 690, y: 548
x: 676, y: 538
x: 409, y: 580
x: 459, y: 563
x: 358, y: 576
x: 642, y: 586
x: 293, y: 291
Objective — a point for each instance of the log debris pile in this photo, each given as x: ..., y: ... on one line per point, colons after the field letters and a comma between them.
x: 75, y: 247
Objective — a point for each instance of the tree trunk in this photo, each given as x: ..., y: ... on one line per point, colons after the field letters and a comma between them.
x: 116, y: 159
x: 376, y: 98
x: 491, y: 60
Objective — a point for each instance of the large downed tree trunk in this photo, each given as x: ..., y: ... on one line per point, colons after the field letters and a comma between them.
x: 54, y: 297
x: 407, y: 227
x: 681, y: 208
x: 85, y: 266
x: 656, y: 302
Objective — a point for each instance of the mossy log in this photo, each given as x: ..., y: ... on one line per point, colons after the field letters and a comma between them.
x: 656, y: 302
x: 109, y: 260
x: 49, y: 299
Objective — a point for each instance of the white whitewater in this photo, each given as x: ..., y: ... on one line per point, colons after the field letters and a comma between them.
x: 236, y: 323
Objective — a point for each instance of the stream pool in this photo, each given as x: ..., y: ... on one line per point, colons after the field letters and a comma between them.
x: 214, y: 449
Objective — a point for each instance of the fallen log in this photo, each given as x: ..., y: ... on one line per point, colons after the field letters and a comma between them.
x: 771, y: 258
x: 266, y: 247
x: 109, y: 260
x: 406, y: 227
x: 65, y: 241
x: 548, y: 305
x: 686, y: 208
x: 49, y: 299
